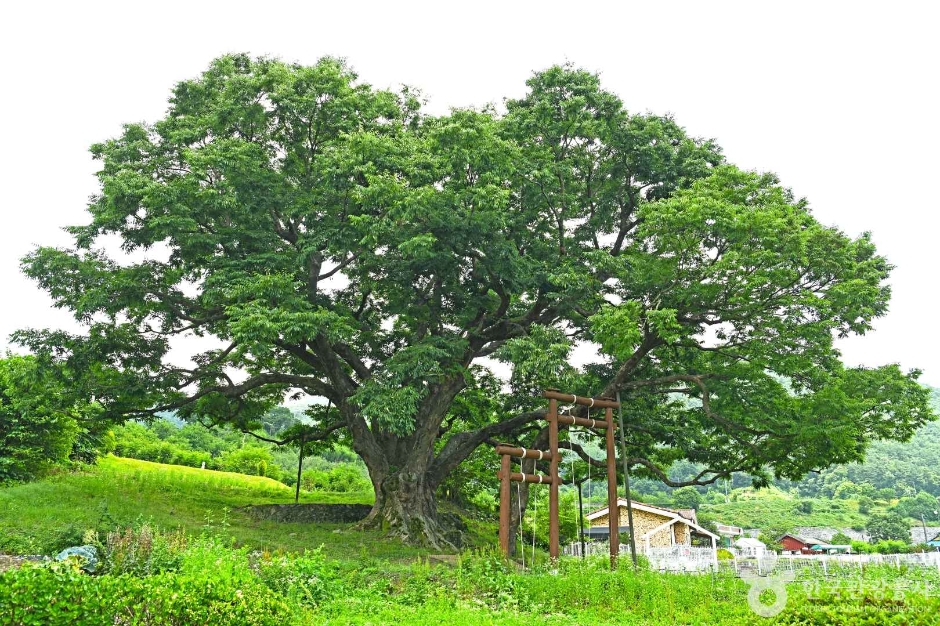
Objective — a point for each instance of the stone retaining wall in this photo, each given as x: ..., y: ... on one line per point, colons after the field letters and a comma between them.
x: 336, y: 513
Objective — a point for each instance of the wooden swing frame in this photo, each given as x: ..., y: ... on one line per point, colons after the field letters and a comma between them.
x: 507, y: 476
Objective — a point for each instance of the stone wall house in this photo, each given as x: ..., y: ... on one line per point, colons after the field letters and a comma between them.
x: 654, y: 527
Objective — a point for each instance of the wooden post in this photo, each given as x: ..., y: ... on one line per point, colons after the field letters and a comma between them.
x: 553, y: 487
x: 613, y: 517
x: 504, y: 505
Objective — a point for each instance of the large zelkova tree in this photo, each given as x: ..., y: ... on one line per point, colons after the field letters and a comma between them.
x: 335, y: 240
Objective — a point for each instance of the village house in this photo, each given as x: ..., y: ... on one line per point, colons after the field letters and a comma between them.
x: 729, y: 534
x: 749, y: 546
x: 796, y: 544
x: 655, y: 527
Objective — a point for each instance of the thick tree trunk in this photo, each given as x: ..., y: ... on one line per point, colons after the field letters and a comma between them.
x: 405, y: 507
x: 399, y: 466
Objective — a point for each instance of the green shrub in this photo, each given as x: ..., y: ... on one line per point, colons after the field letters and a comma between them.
x: 304, y: 580
x: 487, y: 575
x: 861, y: 547
x: 60, y: 594
x: 725, y: 555
x: 253, y: 460
x: 141, y: 551
x: 341, y: 478
x: 891, y: 546
x: 35, y: 433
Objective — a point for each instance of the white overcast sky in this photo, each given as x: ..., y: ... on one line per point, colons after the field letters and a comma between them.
x: 840, y: 99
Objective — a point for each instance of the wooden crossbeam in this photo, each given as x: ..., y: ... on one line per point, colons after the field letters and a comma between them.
x: 539, y: 479
x: 601, y: 403
x: 524, y: 453
x: 587, y: 422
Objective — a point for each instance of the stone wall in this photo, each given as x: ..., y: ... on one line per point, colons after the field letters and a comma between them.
x: 825, y: 533
x: 336, y: 513
x: 682, y: 534
x: 645, y: 522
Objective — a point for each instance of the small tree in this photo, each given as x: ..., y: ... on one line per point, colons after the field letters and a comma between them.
x: 923, y: 504
x: 841, y: 539
x: 845, y: 490
x: 888, y: 526
x: 39, y: 424
x: 277, y: 420
x: 687, y: 498
x: 769, y: 539
x: 886, y: 494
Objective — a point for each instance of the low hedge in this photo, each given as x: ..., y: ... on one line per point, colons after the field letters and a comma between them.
x: 61, y: 594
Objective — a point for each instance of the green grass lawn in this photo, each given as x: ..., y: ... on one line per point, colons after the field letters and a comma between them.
x: 42, y: 516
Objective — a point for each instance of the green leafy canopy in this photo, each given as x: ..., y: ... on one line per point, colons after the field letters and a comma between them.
x: 338, y: 241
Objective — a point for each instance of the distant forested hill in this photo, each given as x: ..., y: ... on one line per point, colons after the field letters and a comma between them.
x: 891, y: 470
x: 906, y: 468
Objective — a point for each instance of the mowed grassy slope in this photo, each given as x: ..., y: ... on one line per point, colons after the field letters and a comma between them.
x: 42, y: 516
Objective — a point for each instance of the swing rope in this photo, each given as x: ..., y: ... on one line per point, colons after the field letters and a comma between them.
x: 535, y: 519
x: 590, y: 484
x: 573, y: 485
x: 573, y: 454
x: 519, y: 502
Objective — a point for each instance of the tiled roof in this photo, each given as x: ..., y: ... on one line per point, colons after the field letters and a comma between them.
x: 826, y: 533
x: 623, y: 502
x: 917, y: 533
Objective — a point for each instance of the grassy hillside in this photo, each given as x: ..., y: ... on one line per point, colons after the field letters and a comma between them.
x: 773, y: 509
x: 42, y: 516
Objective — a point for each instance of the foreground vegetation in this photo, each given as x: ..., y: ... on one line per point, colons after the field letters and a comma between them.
x: 213, y: 564
x: 158, y: 580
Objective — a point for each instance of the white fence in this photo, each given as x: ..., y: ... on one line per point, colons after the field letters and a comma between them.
x: 826, y: 564
x: 592, y: 548
x: 682, y: 559
x: 672, y: 559
x: 701, y: 559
